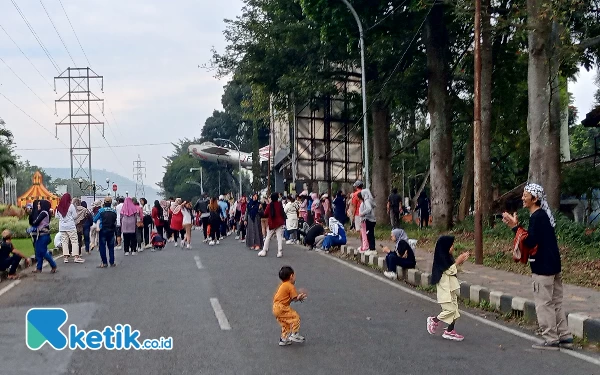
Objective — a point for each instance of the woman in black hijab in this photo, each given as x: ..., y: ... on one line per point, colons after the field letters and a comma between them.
x: 443, y: 276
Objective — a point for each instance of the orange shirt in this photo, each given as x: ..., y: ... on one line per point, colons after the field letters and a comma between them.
x: 356, y: 202
x: 285, y: 294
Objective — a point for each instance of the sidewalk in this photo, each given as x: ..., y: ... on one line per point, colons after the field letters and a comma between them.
x: 506, y: 291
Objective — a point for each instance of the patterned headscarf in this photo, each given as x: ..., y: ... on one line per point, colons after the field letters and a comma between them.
x: 538, y: 192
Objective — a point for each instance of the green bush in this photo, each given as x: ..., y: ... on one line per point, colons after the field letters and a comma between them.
x: 19, y: 227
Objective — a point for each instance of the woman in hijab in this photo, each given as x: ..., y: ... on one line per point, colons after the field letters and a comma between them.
x: 336, y: 235
x: 83, y: 219
x: 166, y: 206
x: 240, y: 213
x: 316, y: 208
x: 177, y: 222
x: 254, y: 237
x: 291, y: 222
x: 67, y: 214
x: 130, y: 215
x: 339, y: 207
x: 95, y: 229
x: 41, y: 208
x: 276, y: 222
x: 443, y: 276
x: 366, y: 212
x: 402, y: 255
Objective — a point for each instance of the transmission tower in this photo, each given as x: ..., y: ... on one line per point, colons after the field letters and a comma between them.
x: 79, y: 119
x: 139, y: 172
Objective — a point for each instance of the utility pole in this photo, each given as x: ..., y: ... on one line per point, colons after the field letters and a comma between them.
x: 139, y: 172
x: 477, y: 139
x: 79, y: 119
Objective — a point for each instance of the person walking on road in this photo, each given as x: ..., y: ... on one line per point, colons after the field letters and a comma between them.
x: 67, y: 214
x: 545, y: 266
x: 177, y: 221
x: 254, y: 237
x: 276, y: 221
x: 186, y: 210
x: 367, y: 214
x: 291, y: 222
x: 106, y: 218
x: 443, y: 276
x: 129, y: 218
x: 147, y: 220
x: 42, y: 235
x: 215, y: 218
x: 202, y: 207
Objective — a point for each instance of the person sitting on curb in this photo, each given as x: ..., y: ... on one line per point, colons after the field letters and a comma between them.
x: 336, y: 235
x: 545, y: 268
x: 315, y: 235
x: 6, y: 260
x: 402, y: 256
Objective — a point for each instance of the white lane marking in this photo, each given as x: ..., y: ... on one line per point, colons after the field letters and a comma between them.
x: 223, y: 322
x: 198, y: 263
x: 572, y: 353
x: 9, y: 287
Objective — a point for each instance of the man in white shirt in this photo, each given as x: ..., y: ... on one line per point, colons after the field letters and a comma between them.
x: 118, y: 230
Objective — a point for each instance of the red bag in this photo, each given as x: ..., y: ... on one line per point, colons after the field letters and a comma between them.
x: 521, y: 252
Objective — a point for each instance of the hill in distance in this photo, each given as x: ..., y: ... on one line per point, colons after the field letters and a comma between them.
x: 123, y: 183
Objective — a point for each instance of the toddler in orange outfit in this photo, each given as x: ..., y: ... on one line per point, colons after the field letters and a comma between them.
x: 288, y: 318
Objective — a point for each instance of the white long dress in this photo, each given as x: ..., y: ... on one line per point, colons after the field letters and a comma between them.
x: 291, y: 211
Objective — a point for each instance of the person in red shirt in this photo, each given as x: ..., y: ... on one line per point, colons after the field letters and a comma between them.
x: 177, y: 220
x: 358, y: 186
x: 157, y: 217
x: 276, y: 221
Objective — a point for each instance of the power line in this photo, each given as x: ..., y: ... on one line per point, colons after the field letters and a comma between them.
x: 36, y: 36
x: 34, y: 120
x: 26, y: 85
x: 95, y: 147
x: 57, y: 33
x: 76, y: 37
x: 34, y: 67
x: 387, y: 15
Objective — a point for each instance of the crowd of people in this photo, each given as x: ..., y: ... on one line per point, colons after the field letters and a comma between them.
x: 317, y: 222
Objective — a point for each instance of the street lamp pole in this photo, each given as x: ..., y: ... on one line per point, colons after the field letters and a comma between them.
x: 364, y: 91
x: 239, y: 163
x: 201, y: 187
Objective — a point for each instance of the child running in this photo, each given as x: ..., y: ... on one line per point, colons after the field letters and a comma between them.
x: 288, y: 318
x: 443, y: 276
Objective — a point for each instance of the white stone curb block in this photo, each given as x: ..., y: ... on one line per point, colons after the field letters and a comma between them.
x: 575, y: 321
x: 495, y: 297
x: 381, y: 263
x: 425, y: 278
x: 518, y: 303
x: 412, y: 276
x: 363, y: 258
x: 474, y: 293
x: 371, y: 259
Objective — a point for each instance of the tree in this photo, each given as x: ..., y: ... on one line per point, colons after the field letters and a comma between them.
x: 7, y: 157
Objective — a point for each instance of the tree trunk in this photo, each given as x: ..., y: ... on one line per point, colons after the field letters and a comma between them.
x: 565, y: 146
x: 436, y: 42
x: 381, y: 171
x: 486, y: 112
x: 542, y: 126
x: 466, y: 191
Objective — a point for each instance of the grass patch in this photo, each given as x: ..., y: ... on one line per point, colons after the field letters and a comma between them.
x: 25, y: 245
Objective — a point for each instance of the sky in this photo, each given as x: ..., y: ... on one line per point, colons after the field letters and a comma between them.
x: 148, y: 52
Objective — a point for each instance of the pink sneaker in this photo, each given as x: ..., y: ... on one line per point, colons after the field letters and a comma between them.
x: 452, y: 336
x: 431, y: 325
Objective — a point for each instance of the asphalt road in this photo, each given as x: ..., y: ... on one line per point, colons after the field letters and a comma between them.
x: 354, y: 323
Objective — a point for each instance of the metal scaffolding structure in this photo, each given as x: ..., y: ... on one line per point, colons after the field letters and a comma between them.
x: 79, y: 119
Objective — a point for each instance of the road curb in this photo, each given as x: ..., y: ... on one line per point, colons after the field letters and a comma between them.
x: 580, y: 324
